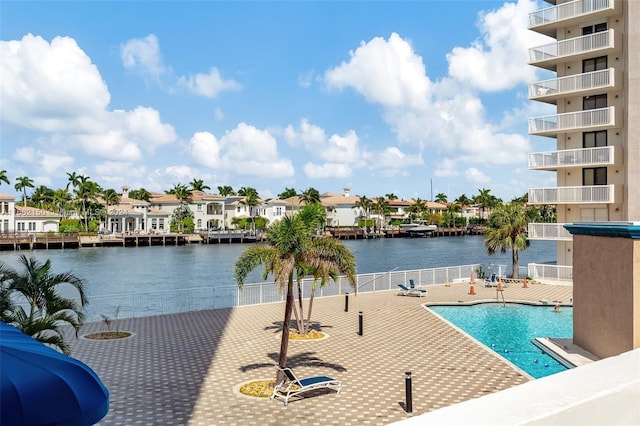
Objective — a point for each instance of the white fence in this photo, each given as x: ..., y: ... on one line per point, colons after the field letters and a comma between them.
x: 550, y: 272
x: 133, y: 305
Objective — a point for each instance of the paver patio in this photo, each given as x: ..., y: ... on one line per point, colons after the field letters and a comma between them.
x: 185, y: 368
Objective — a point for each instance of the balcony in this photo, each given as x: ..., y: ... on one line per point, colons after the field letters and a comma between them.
x: 573, y: 49
x: 554, y: 160
x: 547, y: 21
x: 548, y: 231
x: 587, y: 120
x: 585, y: 84
x: 595, y: 194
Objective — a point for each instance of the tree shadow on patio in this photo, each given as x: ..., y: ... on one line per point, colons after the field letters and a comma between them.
x: 277, y: 326
x: 307, y: 359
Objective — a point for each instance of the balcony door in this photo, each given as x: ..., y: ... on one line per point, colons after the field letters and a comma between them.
x: 594, y: 176
x: 594, y: 102
x: 600, y: 214
x: 594, y: 139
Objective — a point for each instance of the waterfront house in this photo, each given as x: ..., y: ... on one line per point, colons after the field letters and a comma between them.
x: 16, y: 218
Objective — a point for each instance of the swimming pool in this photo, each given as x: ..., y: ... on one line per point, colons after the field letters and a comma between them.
x: 508, y: 330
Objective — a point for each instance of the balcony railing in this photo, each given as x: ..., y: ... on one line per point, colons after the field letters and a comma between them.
x: 567, y: 11
x: 542, y: 272
x: 600, y: 194
x: 553, y: 160
x: 556, y: 87
x: 593, y: 119
x: 547, y: 56
x: 548, y: 231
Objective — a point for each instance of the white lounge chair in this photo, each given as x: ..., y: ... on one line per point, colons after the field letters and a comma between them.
x: 291, y: 386
x: 406, y: 291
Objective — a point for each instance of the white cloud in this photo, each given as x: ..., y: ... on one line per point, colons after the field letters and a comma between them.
x: 50, y: 87
x: 54, y: 88
x: 498, y: 60
x: 207, y: 85
x: 474, y: 175
x: 384, y: 72
x: 443, y: 117
x: 446, y: 168
x: 393, y: 158
x: 327, y: 170
x: 143, y: 55
x: 245, y: 150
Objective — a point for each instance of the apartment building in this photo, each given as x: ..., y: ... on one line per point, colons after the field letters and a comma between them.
x: 596, y: 91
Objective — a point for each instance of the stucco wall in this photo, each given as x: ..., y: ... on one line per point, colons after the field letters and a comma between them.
x: 606, y: 281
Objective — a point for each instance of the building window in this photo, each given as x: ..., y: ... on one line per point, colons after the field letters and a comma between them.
x: 199, y: 223
x: 594, y: 102
x: 160, y: 223
x: 32, y: 226
x: 594, y: 64
x: 199, y: 207
x: 594, y: 139
x: 278, y: 211
x: 154, y: 223
x: 20, y: 226
x: 594, y: 176
x: 5, y: 208
x: 5, y: 226
x: 597, y: 28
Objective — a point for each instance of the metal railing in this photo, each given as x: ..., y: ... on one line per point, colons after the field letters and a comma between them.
x: 556, y: 123
x: 548, y: 231
x: 567, y: 11
x: 571, y: 157
x: 572, y: 194
x: 572, y: 46
x: 132, y: 305
x: 572, y: 83
x: 539, y: 271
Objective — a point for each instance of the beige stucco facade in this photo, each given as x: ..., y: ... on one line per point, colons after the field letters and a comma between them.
x: 606, y: 290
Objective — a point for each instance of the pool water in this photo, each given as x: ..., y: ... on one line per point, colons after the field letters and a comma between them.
x: 508, y: 330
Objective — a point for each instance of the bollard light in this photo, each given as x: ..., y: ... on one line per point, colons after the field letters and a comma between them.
x: 360, y: 323
x: 346, y: 302
x: 408, y: 397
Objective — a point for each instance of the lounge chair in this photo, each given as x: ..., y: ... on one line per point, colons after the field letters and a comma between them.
x: 291, y: 386
x: 405, y: 291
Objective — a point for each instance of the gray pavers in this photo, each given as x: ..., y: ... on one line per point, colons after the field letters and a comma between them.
x: 185, y: 368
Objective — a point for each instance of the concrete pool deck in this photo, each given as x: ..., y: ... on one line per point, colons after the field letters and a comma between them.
x: 185, y: 368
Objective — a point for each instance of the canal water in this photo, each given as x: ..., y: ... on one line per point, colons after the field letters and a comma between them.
x: 110, y: 271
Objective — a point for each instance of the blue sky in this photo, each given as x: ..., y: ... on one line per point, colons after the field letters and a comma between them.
x: 413, y: 98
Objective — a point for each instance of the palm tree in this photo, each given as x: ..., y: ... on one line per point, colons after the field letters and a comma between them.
x: 111, y: 198
x: 42, y: 197
x: 310, y: 196
x: 184, y: 195
x: 391, y: 196
x: 246, y: 191
x: 140, y: 194
x: 60, y: 200
x: 4, y: 178
x: 252, y: 201
x: 289, y: 247
x: 287, y: 193
x: 463, y: 200
x: 22, y: 183
x: 74, y: 180
x: 365, y: 205
x: 382, y: 208
x: 485, y: 200
x: 47, y: 311
x: 507, y: 229
x: 226, y: 191
x: 441, y: 198
x: 86, y: 191
x: 198, y: 185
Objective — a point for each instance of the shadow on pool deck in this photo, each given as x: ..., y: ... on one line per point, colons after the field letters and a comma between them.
x: 183, y: 368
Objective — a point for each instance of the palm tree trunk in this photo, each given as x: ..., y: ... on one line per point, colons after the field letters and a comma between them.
x: 301, y: 317
x: 514, y: 260
x: 284, y: 342
x: 306, y: 328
